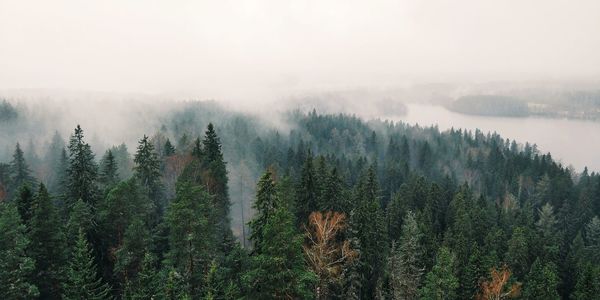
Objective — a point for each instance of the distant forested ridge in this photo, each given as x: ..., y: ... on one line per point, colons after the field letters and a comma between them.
x: 488, y: 105
x: 584, y: 105
x: 214, y: 204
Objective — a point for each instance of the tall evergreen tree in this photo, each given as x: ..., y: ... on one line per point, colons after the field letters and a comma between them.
x: 20, y: 173
x: 82, y: 170
x: 542, y: 282
x: 307, y: 192
x: 82, y: 280
x: 278, y: 270
x: 109, y: 173
x: 47, y: 246
x: 217, y: 181
x: 169, y: 149
x: 406, y: 272
x: 16, y: 267
x: 191, y: 236
x: 441, y: 282
x: 25, y: 203
x: 367, y: 226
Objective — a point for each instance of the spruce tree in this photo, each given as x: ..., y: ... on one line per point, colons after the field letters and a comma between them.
x: 191, y: 236
x: 82, y: 280
x: 47, y: 246
x: 20, y: 173
x: 25, y: 203
x: 169, y: 149
x: 109, y: 174
x: 441, y: 282
x: 16, y: 267
x: 367, y: 226
x: 277, y: 268
x: 307, y: 191
x: 542, y: 282
x: 82, y: 170
x: 147, y: 166
x: 407, y: 269
x: 146, y: 284
x: 265, y: 205
x: 216, y: 181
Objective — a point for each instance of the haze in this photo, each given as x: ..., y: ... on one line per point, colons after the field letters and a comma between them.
x: 246, y: 50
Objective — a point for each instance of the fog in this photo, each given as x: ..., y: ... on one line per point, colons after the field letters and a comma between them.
x: 102, y: 61
x: 248, y: 51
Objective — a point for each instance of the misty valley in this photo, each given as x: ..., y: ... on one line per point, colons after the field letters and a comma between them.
x: 209, y: 202
x: 300, y: 150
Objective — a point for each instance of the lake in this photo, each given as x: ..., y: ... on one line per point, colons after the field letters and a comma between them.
x: 571, y: 142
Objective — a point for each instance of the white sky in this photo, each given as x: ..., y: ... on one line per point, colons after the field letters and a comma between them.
x: 227, y: 48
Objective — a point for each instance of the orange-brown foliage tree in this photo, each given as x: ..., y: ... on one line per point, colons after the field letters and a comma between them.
x: 325, y: 252
x: 497, y: 287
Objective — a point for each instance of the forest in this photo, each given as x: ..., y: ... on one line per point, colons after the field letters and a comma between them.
x: 218, y: 204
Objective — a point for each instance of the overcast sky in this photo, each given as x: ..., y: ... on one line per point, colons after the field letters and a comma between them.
x: 224, y: 48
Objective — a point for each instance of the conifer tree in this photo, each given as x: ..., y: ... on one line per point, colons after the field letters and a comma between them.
x: 25, y: 203
x: 216, y: 181
x: 169, y: 149
x: 307, y: 191
x: 82, y: 170
x: 266, y: 204
x: 47, y: 246
x: 109, y: 175
x: 588, y: 283
x: 147, y: 171
x: 20, y: 173
x: 130, y: 255
x: 80, y: 218
x: 16, y: 267
x: 191, y: 236
x: 367, y: 226
x: 542, y: 282
x: 277, y: 268
x: 146, y: 284
x: 82, y: 280
x: 407, y: 267
x: 441, y: 282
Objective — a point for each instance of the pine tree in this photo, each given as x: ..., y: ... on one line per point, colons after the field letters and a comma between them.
x: 109, y: 175
x: 82, y: 170
x: 542, y: 282
x: 441, y: 282
x: 216, y: 182
x: 16, y: 267
x: 82, y: 280
x: 25, y: 203
x: 277, y: 267
x: 147, y: 168
x: 518, y: 252
x: 80, y: 218
x: 191, y: 236
x: 265, y: 205
x: 20, y: 173
x: 47, y: 245
x: 130, y: 255
x: 588, y: 283
x: 592, y: 237
x: 367, y: 226
x: 548, y: 239
x: 147, y: 172
x: 169, y: 149
x: 146, y: 284
x: 407, y: 269
x: 307, y: 191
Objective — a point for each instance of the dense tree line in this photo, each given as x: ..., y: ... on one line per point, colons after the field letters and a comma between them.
x: 341, y: 209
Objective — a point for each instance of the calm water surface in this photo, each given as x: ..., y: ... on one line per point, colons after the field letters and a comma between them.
x: 571, y: 142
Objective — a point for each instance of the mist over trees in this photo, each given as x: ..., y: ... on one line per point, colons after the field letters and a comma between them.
x: 216, y: 204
